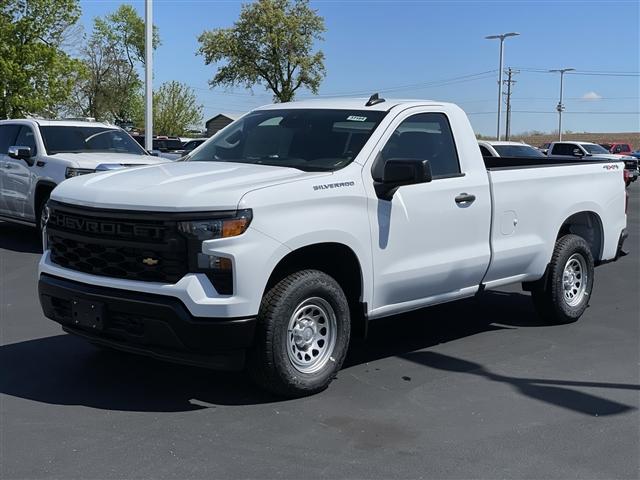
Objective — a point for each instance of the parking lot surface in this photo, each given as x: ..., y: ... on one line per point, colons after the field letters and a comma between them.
x: 479, y: 388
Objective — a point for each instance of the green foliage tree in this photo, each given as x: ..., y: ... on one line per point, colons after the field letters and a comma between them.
x: 270, y: 44
x: 110, y: 87
x: 36, y: 75
x: 175, y: 109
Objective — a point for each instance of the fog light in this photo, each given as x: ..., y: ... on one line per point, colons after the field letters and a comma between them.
x: 212, y: 262
x: 219, y: 270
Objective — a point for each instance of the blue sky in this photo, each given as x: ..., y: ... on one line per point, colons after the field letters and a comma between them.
x: 383, y: 45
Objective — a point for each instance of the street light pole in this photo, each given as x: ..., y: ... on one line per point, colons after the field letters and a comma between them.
x: 148, y: 74
x: 560, y: 106
x: 501, y: 37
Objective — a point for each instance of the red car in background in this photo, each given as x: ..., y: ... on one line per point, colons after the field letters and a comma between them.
x: 618, y: 148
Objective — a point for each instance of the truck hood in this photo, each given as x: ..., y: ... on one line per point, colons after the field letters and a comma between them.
x: 92, y: 160
x: 179, y: 186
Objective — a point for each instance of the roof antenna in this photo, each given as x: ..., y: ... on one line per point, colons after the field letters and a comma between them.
x: 373, y: 100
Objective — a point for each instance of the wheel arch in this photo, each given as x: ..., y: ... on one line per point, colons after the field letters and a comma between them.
x: 42, y: 188
x: 588, y: 225
x: 335, y: 259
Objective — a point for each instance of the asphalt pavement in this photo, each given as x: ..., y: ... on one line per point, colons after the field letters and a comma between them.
x: 479, y: 388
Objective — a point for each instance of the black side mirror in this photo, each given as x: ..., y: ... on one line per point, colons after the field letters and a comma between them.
x: 578, y: 153
x: 154, y: 153
x: 398, y: 172
x: 21, y: 153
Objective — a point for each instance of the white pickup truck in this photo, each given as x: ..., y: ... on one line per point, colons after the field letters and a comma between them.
x: 588, y: 151
x: 36, y: 155
x: 289, y: 230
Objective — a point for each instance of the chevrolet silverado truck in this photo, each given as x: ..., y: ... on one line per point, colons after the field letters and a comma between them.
x: 281, y: 237
x: 37, y: 155
x: 592, y: 151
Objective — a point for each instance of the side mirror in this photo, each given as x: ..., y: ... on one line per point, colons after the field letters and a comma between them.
x: 21, y: 153
x: 398, y: 172
x: 578, y: 153
x: 154, y: 153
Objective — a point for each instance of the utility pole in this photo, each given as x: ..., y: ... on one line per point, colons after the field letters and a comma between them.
x: 500, y: 37
x: 560, y: 106
x: 509, y: 82
x: 148, y: 74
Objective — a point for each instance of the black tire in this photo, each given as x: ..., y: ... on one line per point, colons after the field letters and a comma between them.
x: 548, y: 294
x: 39, y: 211
x: 269, y: 361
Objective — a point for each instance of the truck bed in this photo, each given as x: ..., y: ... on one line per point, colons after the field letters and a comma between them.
x: 532, y: 198
x: 503, y: 163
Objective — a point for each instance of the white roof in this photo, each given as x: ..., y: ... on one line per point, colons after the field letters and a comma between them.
x: 348, y: 104
x: 497, y: 144
x: 60, y: 123
x: 575, y: 142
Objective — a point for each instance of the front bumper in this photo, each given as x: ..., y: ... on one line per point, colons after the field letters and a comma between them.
x: 154, y: 325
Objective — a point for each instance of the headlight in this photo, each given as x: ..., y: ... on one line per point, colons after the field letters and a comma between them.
x: 218, y: 227
x: 76, y: 172
x: 218, y: 269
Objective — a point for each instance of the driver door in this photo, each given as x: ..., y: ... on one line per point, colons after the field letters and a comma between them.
x: 427, y: 244
x: 8, y: 134
x: 18, y: 177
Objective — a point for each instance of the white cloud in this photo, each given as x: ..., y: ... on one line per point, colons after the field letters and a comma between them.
x: 591, y: 96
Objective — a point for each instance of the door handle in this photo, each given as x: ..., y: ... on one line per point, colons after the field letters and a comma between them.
x: 465, y: 199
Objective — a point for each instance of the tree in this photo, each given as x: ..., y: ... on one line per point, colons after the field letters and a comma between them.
x: 270, y: 44
x: 175, y: 109
x: 111, y: 86
x: 35, y: 74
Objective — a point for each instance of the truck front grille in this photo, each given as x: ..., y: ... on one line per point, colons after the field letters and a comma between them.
x: 132, y: 246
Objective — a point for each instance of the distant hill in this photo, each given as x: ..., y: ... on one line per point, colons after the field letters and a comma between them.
x: 536, y: 140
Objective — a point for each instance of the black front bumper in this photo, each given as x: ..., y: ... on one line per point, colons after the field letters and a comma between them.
x: 148, y: 324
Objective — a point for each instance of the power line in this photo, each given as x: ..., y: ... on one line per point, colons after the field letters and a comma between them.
x: 602, y: 73
x: 415, y: 86
x: 554, y: 112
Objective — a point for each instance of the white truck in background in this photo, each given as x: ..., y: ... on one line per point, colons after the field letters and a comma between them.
x: 37, y: 155
x: 279, y: 238
x: 588, y: 151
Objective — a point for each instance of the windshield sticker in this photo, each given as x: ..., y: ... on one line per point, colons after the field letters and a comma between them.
x: 356, y: 118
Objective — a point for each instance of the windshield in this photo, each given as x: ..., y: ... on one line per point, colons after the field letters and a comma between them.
x: 517, y: 151
x: 67, y: 139
x: 309, y: 140
x: 593, y: 149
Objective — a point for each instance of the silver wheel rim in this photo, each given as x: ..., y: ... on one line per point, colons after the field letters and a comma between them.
x: 311, y: 335
x: 574, y: 280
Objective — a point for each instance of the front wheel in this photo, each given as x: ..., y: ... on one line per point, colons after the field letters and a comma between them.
x: 563, y: 296
x: 302, y: 335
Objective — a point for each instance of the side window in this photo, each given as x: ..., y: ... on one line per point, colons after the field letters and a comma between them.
x: 563, y: 149
x: 485, y: 152
x: 26, y: 138
x: 8, y: 134
x: 425, y: 136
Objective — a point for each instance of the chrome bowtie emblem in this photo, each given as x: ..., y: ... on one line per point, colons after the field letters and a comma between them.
x: 150, y: 261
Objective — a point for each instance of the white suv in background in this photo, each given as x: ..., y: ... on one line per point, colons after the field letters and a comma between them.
x: 508, y: 149
x: 36, y: 155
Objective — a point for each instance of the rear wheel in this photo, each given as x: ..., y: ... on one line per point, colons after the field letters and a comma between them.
x: 563, y: 296
x: 303, y: 335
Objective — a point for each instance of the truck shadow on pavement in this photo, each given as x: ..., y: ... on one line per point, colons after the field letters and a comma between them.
x: 19, y: 238
x: 66, y: 370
